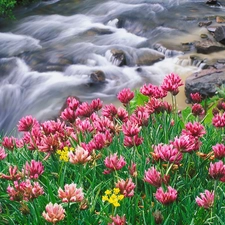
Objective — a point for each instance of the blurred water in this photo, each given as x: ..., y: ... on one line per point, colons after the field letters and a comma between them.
x: 53, y: 47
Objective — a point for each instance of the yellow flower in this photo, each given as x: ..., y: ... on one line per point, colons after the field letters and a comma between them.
x: 113, y: 197
x: 120, y: 197
x: 116, y: 191
x: 63, y: 154
x: 108, y: 192
x: 105, y: 198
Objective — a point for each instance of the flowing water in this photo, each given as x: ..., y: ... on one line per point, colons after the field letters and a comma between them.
x: 53, y: 47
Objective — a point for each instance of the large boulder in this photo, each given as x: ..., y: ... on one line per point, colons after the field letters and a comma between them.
x: 219, y: 34
x: 208, y: 46
x: 116, y: 56
x: 205, y: 82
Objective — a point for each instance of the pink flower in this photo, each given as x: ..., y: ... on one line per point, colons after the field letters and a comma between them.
x: 25, y: 191
x: 71, y: 193
x: 140, y: 117
x: 125, y: 96
x: 68, y: 115
x: 84, y: 110
x: 130, y: 128
x: 206, y: 199
x: 9, y: 143
x: 167, y: 153
x: 122, y: 114
x: 133, y: 169
x: 109, y: 111
x: 197, y: 110
x: 72, y: 103
x: 153, y: 177
x: 113, y: 162
x: 117, y: 220
x: 2, y: 153
x: 196, y: 97
x: 132, y: 141
x: 219, y: 120
x: 195, y: 129
x: 14, y: 174
x: 79, y: 156
x: 34, y: 169
x: 26, y: 123
x: 84, y: 125
x: 219, y: 151
x: 171, y: 83
x: 148, y: 90
x: 166, y: 197
x: 54, y: 213
x: 217, y: 170
x: 96, y: 104
x: 101, y: 140
x: 126, y: 187
x: 185, y: 143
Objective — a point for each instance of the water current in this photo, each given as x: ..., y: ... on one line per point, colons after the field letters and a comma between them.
x: 55, y: 49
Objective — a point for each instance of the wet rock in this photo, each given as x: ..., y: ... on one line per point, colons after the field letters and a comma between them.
x: 97, y: 77
x: 208, y: 46
x: 97, y: 31
x: 116, y: 56
x: 219, y: 34
x: 148, y: 57
x: 213, y: 2
x: 212, y: 29
x: 204, y: 23
x: 7, y: 65
x: 205, y: 82
x: 167, y: 52
x: 204, y: 36
x: 220, y: 19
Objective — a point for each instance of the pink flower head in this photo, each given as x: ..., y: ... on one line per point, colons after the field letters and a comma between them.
x: 9, y: 143
x: 153, y: 177
x: 109, y: 111
x: 96, y: 104
x: 14, y: 174
x: 122, y: 114
x: 219, y: 120
x: 196, y: 97
x: 206, y: 199
x: 166, y: 197
x: 219, y: 151
x: 68, y: 115
x: 113, y: 162
x: 34, y: 169
x: 26, y: 123
x: 133, y: 169
x: 167, y: 153
x: 151, y: 90
x: 117, y: 220
x: 79, y: 156
x: 72, y: 103
x: 125, y: 96
x: 2, y: 153
x: 217, y: 170
x: 84, y: 110
x: 132, y: 141
x: 71, y: 193
x: 197, y: 110
x: 195, y: 129
x: 140, y: 117
x: 171, y: 83
x: 54, y: 213
x: 131, y: 129
x: 126, y: 187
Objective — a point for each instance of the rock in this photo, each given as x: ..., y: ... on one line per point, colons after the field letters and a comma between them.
x: 167, y: 52
x: 205, y: 82
x: 204, y: 23
x: 220, y: 19
x: 116, y: 56
x: 213, y: 2
x: 97, y: 76
x: 208, y: 46
x: 212, y: 29
x: 204, y: 36
x: 147, y: 57
x: 219, y: 34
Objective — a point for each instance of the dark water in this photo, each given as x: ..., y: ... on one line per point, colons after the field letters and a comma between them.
x: 53, y: 47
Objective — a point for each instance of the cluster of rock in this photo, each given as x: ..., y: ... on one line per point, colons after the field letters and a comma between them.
x: 212, y: 75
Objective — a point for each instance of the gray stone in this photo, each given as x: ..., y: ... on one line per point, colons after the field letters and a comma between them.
x: 208, y: 46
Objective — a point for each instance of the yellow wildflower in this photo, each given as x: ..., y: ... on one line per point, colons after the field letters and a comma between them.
x: 113, y: 197
x: 116, y: 191
x: 108, y: 192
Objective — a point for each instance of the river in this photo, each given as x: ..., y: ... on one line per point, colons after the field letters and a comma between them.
x: 50, y: 51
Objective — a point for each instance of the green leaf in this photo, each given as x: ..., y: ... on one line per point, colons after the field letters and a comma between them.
x: 138, y: 100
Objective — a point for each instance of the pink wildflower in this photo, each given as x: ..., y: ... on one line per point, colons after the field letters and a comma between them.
x: 54, y: 213
x: 195, y: 129
x: 79, y: 156
x: 109, y: 111
x: 132, y: 141
x: 26, y: 123
x: 171, y: 83
x: 126, y: 187
x: 125, y: 96
x: 166, y: 197
x: 34, y: 169
x: 167, y: 153
x: 197, y: 110
x: 131, y: 129
x: 219, y: 120
x: 71, y: 193
x: 96, y: 104
x: 153, y: 177
x: 9, y: 143
x: 68, y: 115
x: 118, y: 220
x: 113, y: 162
x: 219, y: 151
x: 206, y: 199
x: 14, y: 174
x: 84, y: 110
x: 217, y: 170
x: 72, y: 103
x: 2, y: 153
x: 133, y: 169
x: 196, y: 97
